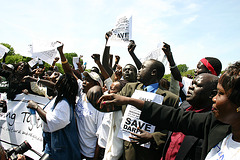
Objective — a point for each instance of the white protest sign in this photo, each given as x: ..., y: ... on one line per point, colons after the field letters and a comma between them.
x: 131, y: 120
x: 45, y: 50
x: 122, y: 31
x: 16, y: 125
x: 156, y: 54
x: 186, y: 83
x: 33, y: 62
x: 3, y: 50
x: 75, y: 61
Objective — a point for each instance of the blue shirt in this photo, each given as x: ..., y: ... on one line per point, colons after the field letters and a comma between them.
x: 152, y: 87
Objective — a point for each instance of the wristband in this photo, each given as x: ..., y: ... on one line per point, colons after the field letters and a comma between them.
x: 171, y: 67
x: 64, y: 62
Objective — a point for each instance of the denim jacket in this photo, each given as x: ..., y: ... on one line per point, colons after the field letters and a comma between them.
x: 64, y: 143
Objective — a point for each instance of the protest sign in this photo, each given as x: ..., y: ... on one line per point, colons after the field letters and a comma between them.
x: 33, y: 62
x: 131, y: 120
x: 122, y: 31
x: 16, y: 125
x: 186, y: 83
x: 156, y: 54
x: 45, y: 50
x: 3, y: 50
x: 75, y: 61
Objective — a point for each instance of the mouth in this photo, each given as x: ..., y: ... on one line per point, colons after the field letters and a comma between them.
x: 189, y: 93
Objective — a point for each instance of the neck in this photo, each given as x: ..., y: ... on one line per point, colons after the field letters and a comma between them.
x: 236, y: 132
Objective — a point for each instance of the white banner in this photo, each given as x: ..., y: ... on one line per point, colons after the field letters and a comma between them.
x: 122, y: 31
x: 3, y: 50
x: 16, y: 125
x: 131, y: 120
x: 45, y: 50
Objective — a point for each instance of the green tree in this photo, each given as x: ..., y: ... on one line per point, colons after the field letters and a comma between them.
x: 70, y: 56
x: 11, y: 49
x: 13, y: 59
x: 182, y: 68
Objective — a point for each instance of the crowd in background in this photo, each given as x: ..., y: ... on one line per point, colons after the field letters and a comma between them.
x: 198, y: 118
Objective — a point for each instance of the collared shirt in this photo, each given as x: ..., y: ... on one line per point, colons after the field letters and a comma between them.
x: 178, y: 137
x: 151, y: 88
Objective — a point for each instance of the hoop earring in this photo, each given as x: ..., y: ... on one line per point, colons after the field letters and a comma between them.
x: 238, y: 109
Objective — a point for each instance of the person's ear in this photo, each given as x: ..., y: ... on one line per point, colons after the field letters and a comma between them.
x: 154, y: 72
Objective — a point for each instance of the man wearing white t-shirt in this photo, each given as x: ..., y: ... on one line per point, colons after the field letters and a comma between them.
x: 88, y: 118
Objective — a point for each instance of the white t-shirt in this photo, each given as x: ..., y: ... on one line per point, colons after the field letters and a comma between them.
x: 103, y: 130
x: 57, y: 118
x: 88, y: 121
x: 228, y: 149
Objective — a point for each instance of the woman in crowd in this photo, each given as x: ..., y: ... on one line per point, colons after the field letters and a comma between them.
x: 16, y: 85
x: 220, y: 129
x: 59, y: 127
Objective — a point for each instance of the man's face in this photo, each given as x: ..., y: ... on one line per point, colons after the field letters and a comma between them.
x: 115, y: 87
x: 201, y: 68
x: 199, y: 92
x: 145, y: 72
x: 129, y: 74
x: 88, y: 83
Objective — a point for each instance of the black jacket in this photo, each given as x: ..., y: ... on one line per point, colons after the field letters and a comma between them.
x: 201, y: 125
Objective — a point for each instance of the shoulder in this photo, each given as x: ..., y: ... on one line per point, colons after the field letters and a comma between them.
x: 170, y: 98
x: 129, y: 88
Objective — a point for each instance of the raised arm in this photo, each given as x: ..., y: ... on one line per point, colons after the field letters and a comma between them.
x: 96, y: 58
x: 66, y: 67
x: 117, y: 59
x: 131, y: 48
x: 173, y: 67
x: 105, y: 59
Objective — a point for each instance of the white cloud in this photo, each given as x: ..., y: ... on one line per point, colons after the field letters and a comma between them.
x: 190, y: 19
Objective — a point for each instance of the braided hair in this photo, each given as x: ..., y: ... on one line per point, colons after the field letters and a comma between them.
x: 67, y: 87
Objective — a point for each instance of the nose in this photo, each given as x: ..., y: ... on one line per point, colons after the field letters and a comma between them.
x: 214, y: 99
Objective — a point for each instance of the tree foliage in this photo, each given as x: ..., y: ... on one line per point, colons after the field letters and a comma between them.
x: 70, y: 56
x: 182, y: 68
x: 11, y: 50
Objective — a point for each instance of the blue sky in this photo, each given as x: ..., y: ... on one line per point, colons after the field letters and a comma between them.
x: 194, y: 28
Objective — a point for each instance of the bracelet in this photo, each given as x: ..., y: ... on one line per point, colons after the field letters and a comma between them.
x: 171, y: 67
x: 64, y: 62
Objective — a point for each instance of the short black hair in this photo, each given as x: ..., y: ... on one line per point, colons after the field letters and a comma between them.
x: 132, y: 66
x: 159, y: 67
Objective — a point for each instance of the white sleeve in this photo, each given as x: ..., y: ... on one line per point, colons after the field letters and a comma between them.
x: 59, y: 117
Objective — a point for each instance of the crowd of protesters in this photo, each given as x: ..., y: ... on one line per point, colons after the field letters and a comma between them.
x: 198, y: 118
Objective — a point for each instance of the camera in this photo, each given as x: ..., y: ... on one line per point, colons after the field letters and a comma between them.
x: 22, y: 148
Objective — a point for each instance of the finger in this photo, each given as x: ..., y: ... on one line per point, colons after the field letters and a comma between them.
x: 135, y: 134
x: 134, y: 138
x: 141, y: 130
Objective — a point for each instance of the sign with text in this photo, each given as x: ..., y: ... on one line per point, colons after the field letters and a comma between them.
x: 122, y: 31
x: 16, y: 125
x: 131, y: 121
x: 45, y: 50
x: 156, y: 54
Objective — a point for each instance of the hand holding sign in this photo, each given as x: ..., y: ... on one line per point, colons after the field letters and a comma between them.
x: 143, y: 137
x: 131, y: 46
